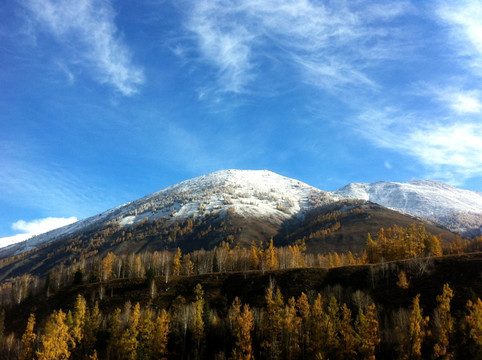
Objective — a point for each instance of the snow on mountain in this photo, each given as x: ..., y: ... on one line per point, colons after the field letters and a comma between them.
x: 249, y: 193
x: 457, y: 209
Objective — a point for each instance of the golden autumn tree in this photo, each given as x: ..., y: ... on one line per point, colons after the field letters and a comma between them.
x: 115, y: 331
x: 402, y: 243
x: 78, y: 319
x: 28, y: 340
x: 331, y: 326
x: 372, y: 251
x: 160, y: 336
x: 402, y: 280
x: 446, y: 324
x: 411, y: 346
x: 129, y: 341
x: 273, y: 323
x: 304, y: 310
x: 473, y: 322
x: 176, y: 262
x: 254, y: 255
x: 271, y: 258
x: 366, y: 333
x: 347, y: 334
x: 317, y: 333
x: 146, y: 328
x: 291, y: 330
x: 242, y: 325
x: 92, y: 325
x: 198, y: 321
x: 108, y: 266
x: 56, y: 340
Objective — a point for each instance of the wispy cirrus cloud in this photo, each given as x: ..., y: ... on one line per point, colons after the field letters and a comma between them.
x: 463, y: 20
x: 327, y: 45
x: 88, y: 31
x: 452, y: 96
x: 450, y: 150
x: 50, y: 188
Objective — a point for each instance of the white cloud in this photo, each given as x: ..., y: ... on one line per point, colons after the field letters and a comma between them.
x: 459, y: 100
x: 40, y: 226
x: 329, y: 45
x: 463, y: 18
x: 452, y: 151
x: 466, y: 103
x: 34, y: 227
x: 87, y: 28
x: 10, y: 240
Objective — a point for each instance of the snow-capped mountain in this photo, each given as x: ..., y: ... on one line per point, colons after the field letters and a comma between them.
x: 250, y: 193
x: 457, y: 209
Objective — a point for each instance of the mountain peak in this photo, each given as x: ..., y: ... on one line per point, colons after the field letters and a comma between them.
x: 262, y: 194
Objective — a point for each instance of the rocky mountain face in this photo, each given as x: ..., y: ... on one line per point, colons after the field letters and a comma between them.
x: 457, y: 209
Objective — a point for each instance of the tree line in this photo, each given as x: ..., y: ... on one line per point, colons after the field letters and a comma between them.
x: 310, y: 326
x: 395, y: 243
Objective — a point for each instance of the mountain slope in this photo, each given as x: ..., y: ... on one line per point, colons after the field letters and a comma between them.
x: 457, y: 209
x: 233, y: 206
x: 259, y: 194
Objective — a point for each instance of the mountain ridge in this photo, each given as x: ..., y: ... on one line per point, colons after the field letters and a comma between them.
x: 275, y: 198
x: 255, y: 193
x: 459, y: 210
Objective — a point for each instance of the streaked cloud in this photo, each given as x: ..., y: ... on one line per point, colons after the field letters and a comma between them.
x: 454, y: 97
x: 50, y: 188
x: 448, y: 150
x: 328, y: 45
x: 87, y: 30
x: 463, y: 20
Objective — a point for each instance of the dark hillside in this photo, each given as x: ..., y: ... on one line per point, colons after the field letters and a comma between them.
x: 343, y: 226
x: 338, y: 227
x: 426, y: 276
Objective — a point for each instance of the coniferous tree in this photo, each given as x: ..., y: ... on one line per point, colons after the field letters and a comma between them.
x: 446, y: 324
x: 115, y: 331
x: 318, y: 333
x: 291, y: 330
x: 347, y: 334
x: 198, y: 322
x: 273, y: 323
x: 242, y: 326
x: 129, y: 341
x: 271, y: 258
x: 304, y: 311
x: 160, y: 336
x: 473, y: 322
x: 92, y: 325
x: 28, y: 340
x: 56, y: 340
x: 78, y: 319
x: 411, y: 347
x: 366, y: 329
x: 176, y: 262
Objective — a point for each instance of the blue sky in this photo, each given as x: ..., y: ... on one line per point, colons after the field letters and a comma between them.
x: 102, y: 102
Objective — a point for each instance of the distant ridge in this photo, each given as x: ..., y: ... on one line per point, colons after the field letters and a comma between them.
x: 457, y: 209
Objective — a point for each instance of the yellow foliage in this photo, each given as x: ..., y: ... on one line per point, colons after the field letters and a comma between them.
x: 56, y: 339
